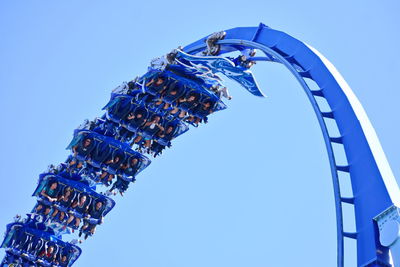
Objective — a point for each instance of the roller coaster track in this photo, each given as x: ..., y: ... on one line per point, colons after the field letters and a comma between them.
x: 376, y: 194
x: 374, y: 186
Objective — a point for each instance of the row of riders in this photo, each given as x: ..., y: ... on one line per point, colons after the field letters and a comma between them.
x: 146, y: 114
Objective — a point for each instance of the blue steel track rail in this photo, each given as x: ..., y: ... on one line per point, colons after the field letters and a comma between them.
x: 370, y: 190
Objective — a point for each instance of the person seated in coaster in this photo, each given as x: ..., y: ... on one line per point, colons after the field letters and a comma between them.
x: 203, y: 110
x: 186, y: 103
x: 189, y: 101
x: 168, y: 134
x: 50, y: 192
x: 35, y: 246
x: 121, y: 185
x: 80, y: 207
x: 130, y: 167
x: 123, y: 134
x: 171, y: 94
x: 63, y: 257
x: 65, y: 201
x: 136, y: 118
x: 138, y: 140
x: 63, y: 261
x: 48, y: 254
x: 155, y: 102
x: 151, y: 128
x: 154, y: 125
x: 157, y: 84
x: 95, y: 212
x: 113, y: 163
x: 175, y: 90
x: 157, y: 81
x: 105, y: 177
x: 221, y: 91
x: 42, y: 209
x: 83, y: 149
x: 100, y: 154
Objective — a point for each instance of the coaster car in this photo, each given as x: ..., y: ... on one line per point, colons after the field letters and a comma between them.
x: 175, y: 86
x: 105, y: 152
x: 27, y: 244
x: 60, y: 199
x: 137, y: 116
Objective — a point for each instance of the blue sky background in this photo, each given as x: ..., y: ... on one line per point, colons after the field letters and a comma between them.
x: 251, y: 188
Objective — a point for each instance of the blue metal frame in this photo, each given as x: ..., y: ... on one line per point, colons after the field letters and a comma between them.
x: 318, y: 113
x: 371, y: 195
x: 48, y: 236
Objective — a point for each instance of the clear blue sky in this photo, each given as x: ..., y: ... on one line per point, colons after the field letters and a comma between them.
x: 254, y: 193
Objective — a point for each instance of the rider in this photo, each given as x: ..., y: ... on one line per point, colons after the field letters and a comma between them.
x: 168, y: 134
x: 48, y: 254
x: 63, y: 257
x: 42, y: 209
x: 114, y: 162
x: 136, y: 118
x: 157, y: 83
x: 50, y: 192
x: 130, y: 167
x: 95, y: 212
x: 202, y: 111
x: 221, y: 91
x: 80, y: 207
x: 121, y: 185
x: 152, y: 127
x: 83, y: 149
x: 65, y: 201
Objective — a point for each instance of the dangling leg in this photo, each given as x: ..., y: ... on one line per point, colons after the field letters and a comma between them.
x: 225, y: 93
x: 182, y: 114
x: 70, y: 219
x: 55, y: 212
x: 62, y: 216
x: 80, y: 164
x: 147, y: 143
x: 39, y: 208
x: 77, y: 222
x: 174, y: 111
x: 103, y: 175
x: 110, y: 177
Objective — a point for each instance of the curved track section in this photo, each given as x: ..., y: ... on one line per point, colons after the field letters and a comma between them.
x: 373, y: 184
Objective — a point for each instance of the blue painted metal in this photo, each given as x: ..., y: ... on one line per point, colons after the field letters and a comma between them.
x: 370, y: 190
x: 48, y: 235
x: 339, y: 213
x: 374, y: 187
x: 225, y: 66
